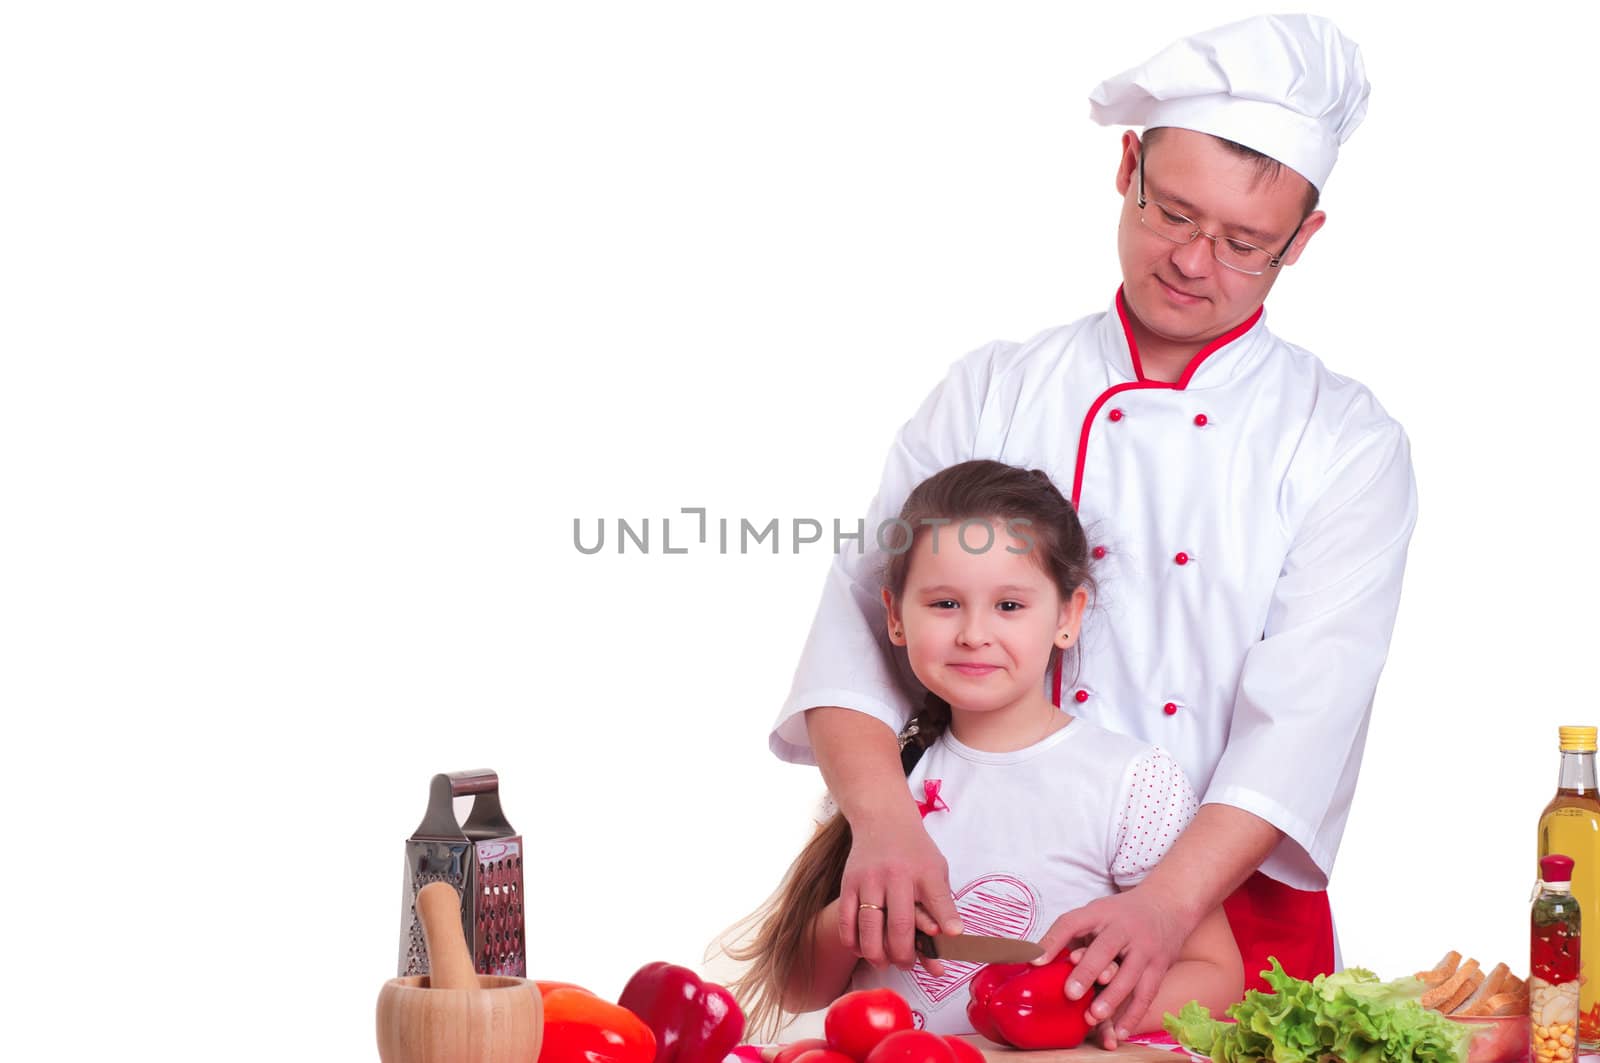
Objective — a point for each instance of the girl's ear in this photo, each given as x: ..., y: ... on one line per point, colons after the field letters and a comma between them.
x: 1071, y: 618
x: 897, y: 630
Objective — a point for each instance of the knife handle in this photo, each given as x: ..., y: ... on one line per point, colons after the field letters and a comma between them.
x: 925, y: 946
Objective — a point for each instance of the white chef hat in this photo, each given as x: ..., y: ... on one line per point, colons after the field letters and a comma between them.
x: 1290, y: 86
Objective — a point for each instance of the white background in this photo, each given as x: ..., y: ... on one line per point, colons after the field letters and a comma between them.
x: 323, y: 321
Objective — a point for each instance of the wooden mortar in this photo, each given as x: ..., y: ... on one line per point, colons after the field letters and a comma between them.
x: 455, y: 1015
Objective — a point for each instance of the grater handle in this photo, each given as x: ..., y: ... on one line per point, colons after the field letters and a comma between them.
x: 471, y: 783
x: 486, y: 819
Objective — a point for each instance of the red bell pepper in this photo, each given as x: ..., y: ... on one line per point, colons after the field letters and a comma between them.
x: 1024, y: 1006
x: 579, y: 1027
x: 693, y: 1021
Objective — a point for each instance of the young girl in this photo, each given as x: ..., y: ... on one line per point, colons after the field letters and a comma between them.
x: 1036, y: 812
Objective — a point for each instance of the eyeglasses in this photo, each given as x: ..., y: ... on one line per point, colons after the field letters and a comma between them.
x: 1236, y: 255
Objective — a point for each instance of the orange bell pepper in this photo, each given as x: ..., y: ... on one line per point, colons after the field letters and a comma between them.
x: 579, y: 1027
x: 546, y: 988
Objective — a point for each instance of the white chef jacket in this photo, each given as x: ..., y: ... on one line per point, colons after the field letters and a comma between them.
x: 1249, y: 525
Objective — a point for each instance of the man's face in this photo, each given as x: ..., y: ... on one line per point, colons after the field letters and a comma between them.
x: 1181, y: 292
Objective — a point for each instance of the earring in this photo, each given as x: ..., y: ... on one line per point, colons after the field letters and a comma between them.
x: 896, y: 632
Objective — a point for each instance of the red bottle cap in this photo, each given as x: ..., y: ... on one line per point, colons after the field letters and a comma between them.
x: 1555, y: 868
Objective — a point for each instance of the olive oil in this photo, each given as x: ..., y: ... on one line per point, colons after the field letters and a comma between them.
x: 1570, y: 824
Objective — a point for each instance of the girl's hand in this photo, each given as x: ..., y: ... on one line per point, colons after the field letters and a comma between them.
x: 1105, y: 1035
x: 930, y: 926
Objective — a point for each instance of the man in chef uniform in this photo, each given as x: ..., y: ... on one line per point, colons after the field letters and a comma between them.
x: 1249, y: 512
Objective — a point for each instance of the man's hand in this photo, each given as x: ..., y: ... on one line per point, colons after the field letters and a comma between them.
x: 1143, y: 931
x: 1129, y: 943
x: 1105, y: 1034
x: 895, y: 882
x: 894, y: 868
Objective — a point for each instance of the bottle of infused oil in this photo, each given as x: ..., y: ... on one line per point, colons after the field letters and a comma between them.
x: 1557, y: 942
x: 1570, y: 824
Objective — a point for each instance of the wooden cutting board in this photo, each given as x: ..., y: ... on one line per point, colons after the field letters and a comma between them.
x: 1122, y: 1054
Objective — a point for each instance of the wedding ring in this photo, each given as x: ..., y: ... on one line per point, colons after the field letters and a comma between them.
x: 863, y: 906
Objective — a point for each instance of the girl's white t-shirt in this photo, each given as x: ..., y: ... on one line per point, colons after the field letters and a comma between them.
x: 1032, y: 834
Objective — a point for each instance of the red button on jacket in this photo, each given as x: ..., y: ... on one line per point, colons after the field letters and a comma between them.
x: 1182, y: 558
x: 1200, y: 420
x: 1170, y: 708
x: 1116, y: 415
x: 1081, y: 696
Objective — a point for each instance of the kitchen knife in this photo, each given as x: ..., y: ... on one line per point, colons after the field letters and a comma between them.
x: 975, y: 948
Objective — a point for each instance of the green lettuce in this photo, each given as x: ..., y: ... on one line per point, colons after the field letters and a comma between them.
x: 1351, y: 1017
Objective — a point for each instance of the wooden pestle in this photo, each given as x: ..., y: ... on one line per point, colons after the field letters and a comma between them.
x: 449, y: 959
x: 453, y: 1015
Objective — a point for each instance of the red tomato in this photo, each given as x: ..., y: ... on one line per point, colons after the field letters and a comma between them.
x: 912, y: 1046
x: 823, y: 1055
x: 965, y: 1050
x: 789, y: 1053
x: 857, y: 1021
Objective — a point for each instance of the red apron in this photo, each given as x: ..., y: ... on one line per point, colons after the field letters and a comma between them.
x: 1271, y: 919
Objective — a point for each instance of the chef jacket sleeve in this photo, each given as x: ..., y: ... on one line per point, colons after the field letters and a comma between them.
x: 848, y: 660
x: 1305, y: 693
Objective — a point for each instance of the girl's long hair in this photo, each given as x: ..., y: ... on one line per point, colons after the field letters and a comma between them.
x: 780, y: 952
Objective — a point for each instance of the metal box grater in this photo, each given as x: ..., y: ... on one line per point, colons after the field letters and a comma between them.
x: 481, y: 858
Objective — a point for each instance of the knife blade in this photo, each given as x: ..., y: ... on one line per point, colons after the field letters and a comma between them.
x: 976, y: 948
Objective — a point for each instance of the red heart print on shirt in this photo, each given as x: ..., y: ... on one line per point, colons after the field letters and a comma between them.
x: 1001, y: 906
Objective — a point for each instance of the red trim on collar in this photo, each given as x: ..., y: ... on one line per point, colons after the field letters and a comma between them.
x: 1217, y: 344
x: 1143, y: 385
x: 1127, y: 332
x: 1199, y: 356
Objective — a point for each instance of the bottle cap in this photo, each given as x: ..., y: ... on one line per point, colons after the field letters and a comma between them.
x: 1577, y: 739
x: 1555, y: 868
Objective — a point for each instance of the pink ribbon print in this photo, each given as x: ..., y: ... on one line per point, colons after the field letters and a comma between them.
x: 932, y: 802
